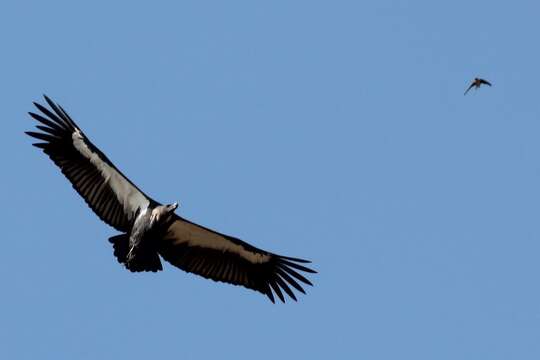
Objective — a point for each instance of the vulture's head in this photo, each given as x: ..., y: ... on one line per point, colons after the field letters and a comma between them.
x: 162, y: 213
x: 172, y: 207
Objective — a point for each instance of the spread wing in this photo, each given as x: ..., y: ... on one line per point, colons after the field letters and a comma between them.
x: 469, y: 88
x: 482, y: 81
x: 104, y: 188
x: 219, y: 257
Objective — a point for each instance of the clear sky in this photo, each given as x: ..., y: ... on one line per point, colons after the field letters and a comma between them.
x: 335, y: 131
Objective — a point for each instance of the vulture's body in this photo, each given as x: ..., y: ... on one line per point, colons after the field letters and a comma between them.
x: 151, y: 230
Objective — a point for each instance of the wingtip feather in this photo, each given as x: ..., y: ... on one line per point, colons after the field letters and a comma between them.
x: 296, y: 259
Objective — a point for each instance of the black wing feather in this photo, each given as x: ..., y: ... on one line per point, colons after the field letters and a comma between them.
x: 199, y: 250
x: 57, y: 133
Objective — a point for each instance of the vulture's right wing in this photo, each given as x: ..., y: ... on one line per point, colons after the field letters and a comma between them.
x: 104, y: 188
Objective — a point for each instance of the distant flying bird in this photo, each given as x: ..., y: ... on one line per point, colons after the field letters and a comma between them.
x: 476, y: 84
x: 149, y: 229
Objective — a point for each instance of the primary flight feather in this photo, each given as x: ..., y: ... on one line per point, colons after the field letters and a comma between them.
x: 151, y: 230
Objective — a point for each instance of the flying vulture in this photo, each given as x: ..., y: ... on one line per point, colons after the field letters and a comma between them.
x: 476, y: 84
x: 150, y: 230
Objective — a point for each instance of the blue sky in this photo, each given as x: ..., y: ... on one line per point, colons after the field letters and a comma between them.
x: 335, y: 131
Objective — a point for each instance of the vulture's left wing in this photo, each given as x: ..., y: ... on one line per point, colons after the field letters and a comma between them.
x: 104, y: 188
x: 219, y: 257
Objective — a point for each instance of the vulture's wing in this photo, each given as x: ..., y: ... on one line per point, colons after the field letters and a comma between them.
x: 482, y: 81
x: 469, y: 88
x: 219, y: 257
x: 104, y: 188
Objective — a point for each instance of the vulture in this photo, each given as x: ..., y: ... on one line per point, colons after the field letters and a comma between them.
x: 476, y: 83
x: 149, y: 230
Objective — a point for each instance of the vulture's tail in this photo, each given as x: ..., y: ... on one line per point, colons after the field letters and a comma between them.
x: 143, y: 260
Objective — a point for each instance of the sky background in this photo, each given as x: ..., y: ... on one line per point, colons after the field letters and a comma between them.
x: 335, y: 131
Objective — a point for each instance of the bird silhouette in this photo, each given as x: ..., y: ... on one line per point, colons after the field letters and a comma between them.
x: 477, y: 82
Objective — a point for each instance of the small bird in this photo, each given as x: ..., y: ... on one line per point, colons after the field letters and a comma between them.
x: 476, y: 84
x: 150, y: 230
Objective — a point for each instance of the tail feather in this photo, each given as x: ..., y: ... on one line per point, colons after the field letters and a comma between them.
x: 144, y: 259
x: 121, y: 247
